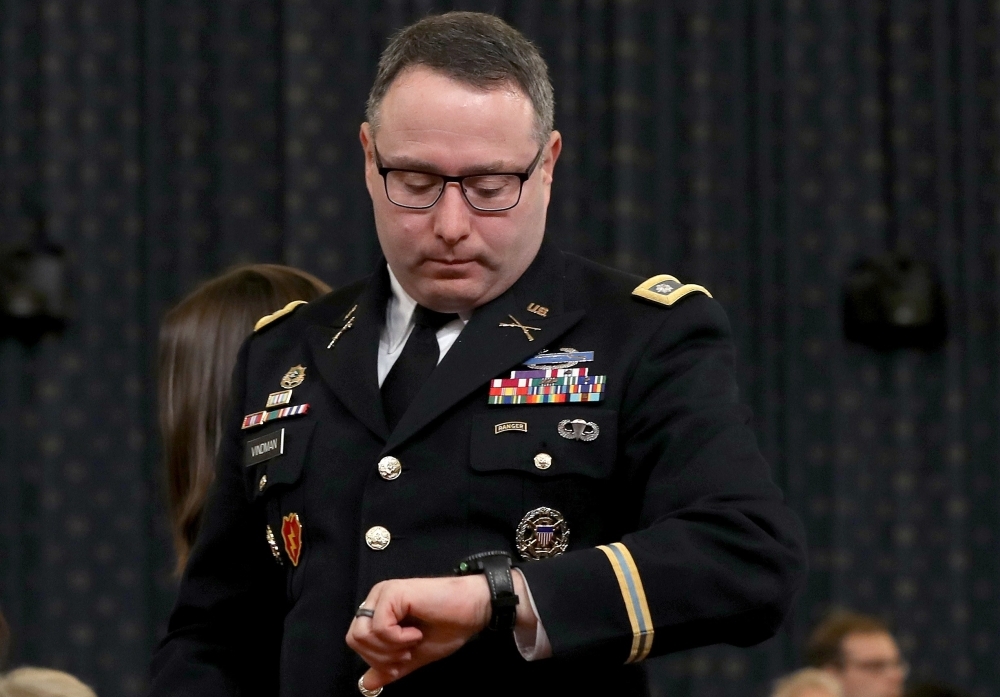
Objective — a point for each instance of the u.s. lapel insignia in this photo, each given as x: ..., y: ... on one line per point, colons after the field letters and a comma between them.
x: 537, y: 309
x: 542, y: 533
x: 295, y: 376
x: 516, y: 323
x: 348, y: 323
x: 563, y: 358
x: 291, y: 533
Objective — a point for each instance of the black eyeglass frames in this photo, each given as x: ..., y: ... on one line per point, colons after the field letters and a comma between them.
x: 491, y: 193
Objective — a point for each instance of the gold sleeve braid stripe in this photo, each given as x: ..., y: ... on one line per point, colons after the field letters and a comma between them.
x: 267, y: 319
x: 635, y: 600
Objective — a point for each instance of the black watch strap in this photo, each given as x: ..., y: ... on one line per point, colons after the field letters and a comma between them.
x: 496, y: 566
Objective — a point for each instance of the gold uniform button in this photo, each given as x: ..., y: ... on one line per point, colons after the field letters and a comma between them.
x: 543, y: 461
x: 389, y: 468
x: 378, y: 538
x: 263, y: 483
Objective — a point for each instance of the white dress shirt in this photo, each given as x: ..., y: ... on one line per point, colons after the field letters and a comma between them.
x: 398, y: 325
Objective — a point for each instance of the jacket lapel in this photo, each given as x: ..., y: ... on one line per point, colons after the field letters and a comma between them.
x: 350, y: 366
x: 485, y: 349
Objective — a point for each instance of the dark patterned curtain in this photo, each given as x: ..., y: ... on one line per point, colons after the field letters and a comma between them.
x: 760, y: 148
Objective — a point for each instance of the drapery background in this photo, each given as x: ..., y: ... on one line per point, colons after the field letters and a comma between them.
x: 758, y: 147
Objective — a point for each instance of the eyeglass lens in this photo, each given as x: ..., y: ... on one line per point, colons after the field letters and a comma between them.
x: 486, y: 192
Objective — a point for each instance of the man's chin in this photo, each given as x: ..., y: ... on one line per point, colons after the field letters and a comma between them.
x: 452, y: 294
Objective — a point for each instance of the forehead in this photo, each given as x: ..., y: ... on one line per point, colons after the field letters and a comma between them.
x: 870, y: 644
x: 427, y: 114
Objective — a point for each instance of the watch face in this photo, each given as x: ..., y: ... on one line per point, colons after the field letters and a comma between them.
x: 542, y: 533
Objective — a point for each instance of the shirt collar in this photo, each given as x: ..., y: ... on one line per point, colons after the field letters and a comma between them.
x: 398, y: 314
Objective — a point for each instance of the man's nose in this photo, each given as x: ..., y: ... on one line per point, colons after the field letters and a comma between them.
x: 453, y: 219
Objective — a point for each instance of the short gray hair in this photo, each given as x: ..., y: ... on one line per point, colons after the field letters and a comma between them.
x: 474, y: 48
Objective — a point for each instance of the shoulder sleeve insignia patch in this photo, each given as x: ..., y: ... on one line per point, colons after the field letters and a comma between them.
x: 267, y: 319
x: 666, y: 290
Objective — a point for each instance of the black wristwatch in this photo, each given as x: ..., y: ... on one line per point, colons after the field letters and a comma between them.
x: 496, y: 566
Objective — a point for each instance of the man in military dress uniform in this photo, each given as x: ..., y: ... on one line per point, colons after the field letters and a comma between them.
x: 481, y: 399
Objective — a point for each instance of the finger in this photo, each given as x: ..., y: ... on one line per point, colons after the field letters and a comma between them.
x: 383, y: 660
x: 389, y: 613
x: 362, y: 637
x: 376, y: 678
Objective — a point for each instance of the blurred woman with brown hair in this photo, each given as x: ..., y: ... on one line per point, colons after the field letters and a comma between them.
x: 199, y: 341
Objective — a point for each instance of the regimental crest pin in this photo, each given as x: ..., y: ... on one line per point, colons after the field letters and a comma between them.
x: 542, y: 533
x: 291, y: 533
x: 295, y: 376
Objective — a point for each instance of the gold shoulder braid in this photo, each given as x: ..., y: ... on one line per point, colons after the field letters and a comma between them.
x: 267, y: 319
x: 666, y: 290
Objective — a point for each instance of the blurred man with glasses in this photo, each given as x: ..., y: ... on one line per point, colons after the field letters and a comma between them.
x: 502, y: 469
x: 860, y: 651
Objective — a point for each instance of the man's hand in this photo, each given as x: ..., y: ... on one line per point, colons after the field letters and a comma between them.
x: 421, y: 620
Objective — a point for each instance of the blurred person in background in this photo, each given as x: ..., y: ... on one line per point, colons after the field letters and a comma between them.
x: 860, y: 651
x: 199, y: 341
x: 42, y: 682
x: 808, y: 682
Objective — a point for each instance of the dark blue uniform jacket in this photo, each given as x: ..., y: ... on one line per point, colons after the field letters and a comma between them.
x: 677, y: 535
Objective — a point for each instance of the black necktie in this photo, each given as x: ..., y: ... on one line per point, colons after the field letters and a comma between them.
x: 414, y: 365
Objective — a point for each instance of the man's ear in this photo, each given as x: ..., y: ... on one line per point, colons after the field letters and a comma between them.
x: 554, y: 148
x: 368, y: 145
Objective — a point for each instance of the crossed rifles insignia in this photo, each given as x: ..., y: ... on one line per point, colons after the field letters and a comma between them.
x: 516, y: 323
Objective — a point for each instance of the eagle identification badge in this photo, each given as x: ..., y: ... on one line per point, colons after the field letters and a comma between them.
x: 542, y: 533
x: 291, y: 533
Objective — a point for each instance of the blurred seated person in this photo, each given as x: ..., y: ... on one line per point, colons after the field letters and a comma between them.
x: 808, y: 682
x: 42, y: 682
x: 860, y: 652
x: 199, y: 341
x: 933, y: 689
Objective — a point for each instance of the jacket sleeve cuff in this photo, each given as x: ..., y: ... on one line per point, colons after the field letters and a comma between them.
x: 533, y: 646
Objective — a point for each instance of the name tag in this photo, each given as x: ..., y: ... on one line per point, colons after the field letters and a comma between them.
x: 265, y: 447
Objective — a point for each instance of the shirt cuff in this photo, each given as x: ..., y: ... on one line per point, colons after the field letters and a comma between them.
x: 533, y: 646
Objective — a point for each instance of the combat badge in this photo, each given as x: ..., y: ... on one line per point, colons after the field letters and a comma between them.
x: 563, y: 358
x: 295, y: 376
x: 542, y: 533
x: 291, y: 533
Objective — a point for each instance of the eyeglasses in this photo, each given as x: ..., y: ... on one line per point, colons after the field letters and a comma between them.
x: 878, y: 667
x: 490, y: 193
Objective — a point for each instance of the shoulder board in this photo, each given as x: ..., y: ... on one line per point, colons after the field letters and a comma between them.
x: 666, y: 290
x: 267, y: 319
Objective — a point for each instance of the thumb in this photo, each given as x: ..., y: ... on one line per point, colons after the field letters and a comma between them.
x: 375, y: 679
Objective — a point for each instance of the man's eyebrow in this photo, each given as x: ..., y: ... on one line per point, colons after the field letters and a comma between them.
x: 414, y: 163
